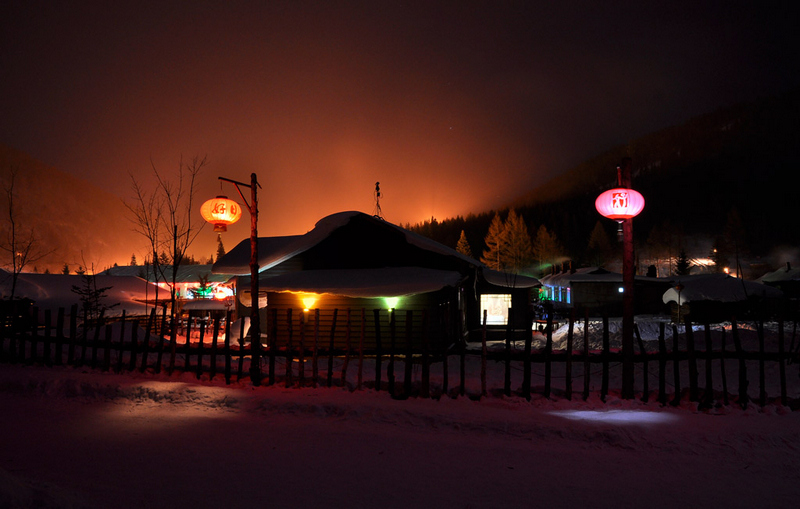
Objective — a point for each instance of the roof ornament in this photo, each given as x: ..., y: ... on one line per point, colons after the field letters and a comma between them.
x: 378, y: 214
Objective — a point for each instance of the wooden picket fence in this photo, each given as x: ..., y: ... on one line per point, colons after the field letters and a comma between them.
x: 116, y: 346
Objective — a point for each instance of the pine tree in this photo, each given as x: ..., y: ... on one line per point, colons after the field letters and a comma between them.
x: 463, y: 245
x: 133, y: 260
x: 495, y: 241
x: 220, y: 247
x: 682, y: 267
x: 599, y: 245
x: 517, y: 251
x: 546, y: 248
x: 65, y: 269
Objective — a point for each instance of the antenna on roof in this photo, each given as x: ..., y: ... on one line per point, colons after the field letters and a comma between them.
x: 378, y: 214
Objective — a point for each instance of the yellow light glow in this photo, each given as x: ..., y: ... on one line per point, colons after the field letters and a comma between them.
x: 391, y: 302
x: 308, y: 299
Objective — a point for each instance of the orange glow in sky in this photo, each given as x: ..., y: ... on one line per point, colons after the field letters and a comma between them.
x: 454, y: 107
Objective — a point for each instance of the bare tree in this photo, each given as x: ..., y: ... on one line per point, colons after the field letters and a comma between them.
x: 164, y: 216
x: 19, y: 242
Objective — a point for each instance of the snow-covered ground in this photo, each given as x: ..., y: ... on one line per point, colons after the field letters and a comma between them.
x: 81, y: 438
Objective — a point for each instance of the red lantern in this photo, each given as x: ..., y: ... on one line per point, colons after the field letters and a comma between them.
x: 221, y: 212
x: 619, y: 203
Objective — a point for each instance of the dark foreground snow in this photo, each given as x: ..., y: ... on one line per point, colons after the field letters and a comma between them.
x: 73, y: 438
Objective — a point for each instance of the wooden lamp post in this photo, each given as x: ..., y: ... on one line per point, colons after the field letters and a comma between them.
x: 623, y: 204
x: 255, y: 321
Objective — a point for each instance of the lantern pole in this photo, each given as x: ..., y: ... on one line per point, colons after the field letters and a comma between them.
x: 624, y: 176
x: 255, y: 321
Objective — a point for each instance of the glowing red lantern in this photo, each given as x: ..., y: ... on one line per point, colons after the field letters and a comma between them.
x: 619, y: 203
x: 221, y: 212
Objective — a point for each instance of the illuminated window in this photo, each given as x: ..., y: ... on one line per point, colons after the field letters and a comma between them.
x: 496, y: 306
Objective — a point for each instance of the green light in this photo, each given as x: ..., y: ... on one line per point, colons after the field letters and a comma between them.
x: 391, y: 302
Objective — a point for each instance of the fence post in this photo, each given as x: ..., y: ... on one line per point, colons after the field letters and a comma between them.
x: 526, y: 367
x: 462, y: 345
x: 118, y: 368
x: 134, y: 346
x: 645, y: 372
x: 604, y: 384
x: 662, y: 364
x: 96, y: 340
x: 146, y: 340
x: 212, y: 371
x: 331, y: 345
x: 47, y: 332
x: 426, y: 366
x: 708, y: 400
x: 724, y: 375
x: 273, y: 345
x: 676, y: 372
x: 409, y: 356
x: 378, y: 351
x: 173, y: 344
x: 445, y: 322
x: 392, y: 344
x: 347, y: 347
x: 782, y: 362
x: 568, y: 367
x: 762, y: 389
x: 240, y: 349
x: 743, y: 383
x: 288, y: 358
x: 73, y: 334
x: 227, y: 347
x: 483, y: 356
x: 586, y: 366
x: 507, y: 359
x: 315, y: 351
x: 360, y: 376
x: 60, y: 337
x: 107, y: 348
x: 34, y: 332
x: 200, y: 348
x: 692, y: 359
x: 187, y: 346
x: 548, y: 354
x: 301, y: 355
x: 160, y: 353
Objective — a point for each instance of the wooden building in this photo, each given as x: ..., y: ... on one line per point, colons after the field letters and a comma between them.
x: 600, y: 291
x: 356, y: 278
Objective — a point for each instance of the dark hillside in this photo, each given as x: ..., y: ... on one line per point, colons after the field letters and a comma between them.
x: 743, y: 158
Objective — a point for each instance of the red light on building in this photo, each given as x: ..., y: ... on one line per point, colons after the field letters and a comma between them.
x: 221, y: 212
x: 619, y: 203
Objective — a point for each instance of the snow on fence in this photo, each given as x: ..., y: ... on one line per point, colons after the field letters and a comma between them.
x: 672, y: 360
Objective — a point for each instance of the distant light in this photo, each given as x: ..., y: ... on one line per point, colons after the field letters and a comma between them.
x: 221, y: 212
x: 621, y: 289
x: 617, y: 416
x: 391, y: 302
x: 619, y: 203
x: 308, y: 301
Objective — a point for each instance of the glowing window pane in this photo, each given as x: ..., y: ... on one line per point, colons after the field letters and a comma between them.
x: 496, y: 306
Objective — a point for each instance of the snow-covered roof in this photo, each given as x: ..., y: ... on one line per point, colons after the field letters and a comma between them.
x: 274, y: 250
x: 717, y: 287
x: 783, y: 274
x: 564, y: 279
x: 508, y: 280
x: 186, y: 273
x: 385, y: 282
x: 53, y: 291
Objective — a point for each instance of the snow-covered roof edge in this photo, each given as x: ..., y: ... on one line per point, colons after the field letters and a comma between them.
x: 280, y: 249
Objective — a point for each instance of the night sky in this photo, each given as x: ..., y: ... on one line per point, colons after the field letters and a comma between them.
x: 455, y: 107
